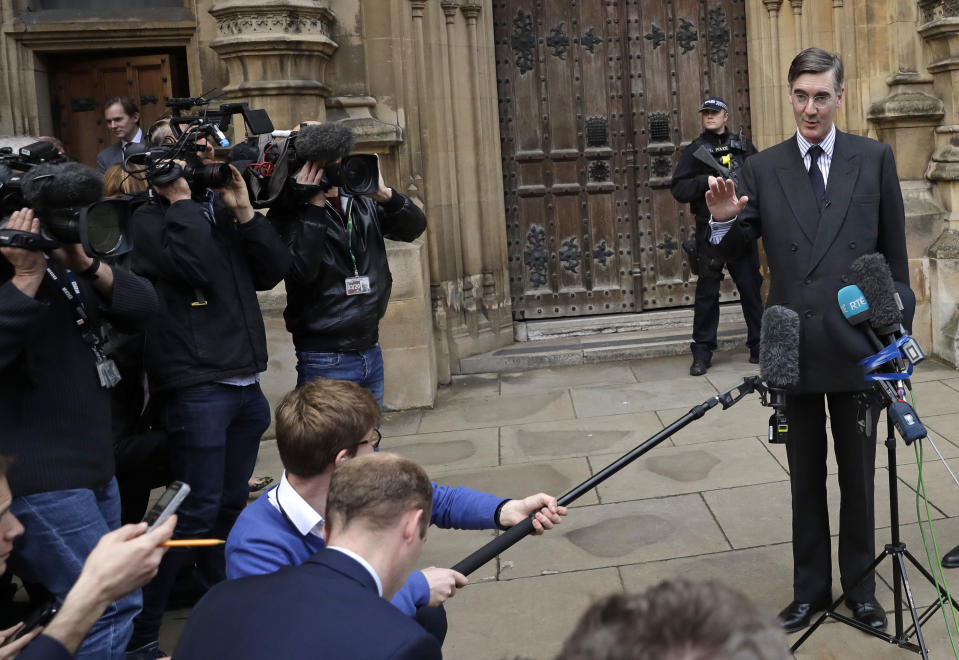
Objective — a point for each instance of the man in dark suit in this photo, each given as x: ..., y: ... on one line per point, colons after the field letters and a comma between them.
x: 819, y: 200
x: 336, y: 605
x: 122, y: 117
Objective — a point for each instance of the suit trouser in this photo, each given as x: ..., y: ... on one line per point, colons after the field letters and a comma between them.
x: 748, y: 281
x: 854, y: 418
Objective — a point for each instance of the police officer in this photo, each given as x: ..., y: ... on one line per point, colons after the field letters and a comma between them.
x: 716, y: 152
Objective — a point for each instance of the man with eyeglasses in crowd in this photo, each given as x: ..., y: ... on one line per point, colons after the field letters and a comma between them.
x: 820, y: 200
x: 320, y: 427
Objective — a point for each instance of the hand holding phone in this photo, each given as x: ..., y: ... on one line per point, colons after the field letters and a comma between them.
x: 39, y: 617
x: 167, y: 505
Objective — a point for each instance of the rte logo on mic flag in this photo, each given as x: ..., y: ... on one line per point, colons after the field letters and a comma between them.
x: 853, y: 304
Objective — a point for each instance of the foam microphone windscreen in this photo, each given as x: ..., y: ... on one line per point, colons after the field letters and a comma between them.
x: 779, y: 347
x: 60, y: 185
x: 871, y: 274
x: 324, y: 143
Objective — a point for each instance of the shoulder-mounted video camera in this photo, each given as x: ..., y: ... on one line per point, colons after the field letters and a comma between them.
x: 157, y: 163
x: 283, y: 153
x: 67, y: 199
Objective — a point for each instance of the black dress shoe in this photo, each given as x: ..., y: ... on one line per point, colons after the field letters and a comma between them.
x: 797, y: 615
x: 869, y: 613
x: 699, y: 368
x: 951, y: 558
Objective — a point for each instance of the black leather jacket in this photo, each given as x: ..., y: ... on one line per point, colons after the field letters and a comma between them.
x: 319, y: 314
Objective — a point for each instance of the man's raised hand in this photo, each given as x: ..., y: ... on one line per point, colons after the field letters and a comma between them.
x: 722, y: 201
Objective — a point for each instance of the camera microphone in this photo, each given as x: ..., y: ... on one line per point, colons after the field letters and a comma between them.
x: 779, y: 363
x: 220, y: 137
x: 324, y: 143
x: 61, y: 185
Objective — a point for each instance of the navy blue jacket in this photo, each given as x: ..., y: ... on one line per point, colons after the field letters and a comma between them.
x: 325, y: 608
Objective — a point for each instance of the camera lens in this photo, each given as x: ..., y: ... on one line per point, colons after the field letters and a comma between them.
x: 212, y: 175
x: 359, y: 174
x: 103, y: 228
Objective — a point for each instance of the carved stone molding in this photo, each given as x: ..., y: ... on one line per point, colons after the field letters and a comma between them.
x: 772, y: 6
x: 371, y: 133
x: 450, y: 8
x: 276, y: 54
x: 907, y: 108
x: 471, y: 10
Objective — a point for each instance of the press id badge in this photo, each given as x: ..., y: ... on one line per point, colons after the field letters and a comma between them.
x: 357, y: 285
x: 107, y: 372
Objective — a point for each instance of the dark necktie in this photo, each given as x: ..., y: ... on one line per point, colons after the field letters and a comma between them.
x: 815, y: 175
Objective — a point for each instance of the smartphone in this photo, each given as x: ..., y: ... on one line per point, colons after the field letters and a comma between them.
x: 39, y: 617
x: 167, y: 505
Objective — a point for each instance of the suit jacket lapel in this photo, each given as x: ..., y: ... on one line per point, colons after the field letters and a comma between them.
x: 794, y: 181
x: 843, y: 173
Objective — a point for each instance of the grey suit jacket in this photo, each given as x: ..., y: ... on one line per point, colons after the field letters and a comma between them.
x: 109, y: 156
x: 809, y: 255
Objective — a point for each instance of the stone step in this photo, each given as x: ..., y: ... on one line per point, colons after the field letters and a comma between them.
x: 565, y: 342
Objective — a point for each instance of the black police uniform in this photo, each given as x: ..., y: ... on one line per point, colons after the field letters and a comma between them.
x: 690, y: 183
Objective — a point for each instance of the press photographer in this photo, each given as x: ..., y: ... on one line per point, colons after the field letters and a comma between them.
x: 207, y: 253
x: 334, y: 214
x: 55, y: 374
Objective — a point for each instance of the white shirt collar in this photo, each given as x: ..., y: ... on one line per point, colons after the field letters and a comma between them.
x: 136, y: 138
x: 285, y: 499
x: 365, y: 564
x: 827, y: 143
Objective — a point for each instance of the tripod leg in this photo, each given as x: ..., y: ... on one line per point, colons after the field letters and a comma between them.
x: 923, y: 650
x: 931, y: 579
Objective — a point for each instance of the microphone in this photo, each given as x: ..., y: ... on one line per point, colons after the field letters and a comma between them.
x: 324, y: 143
x: 856, y: 309
x: 779, y: 364
x: 871, y: 273
x: 220, y: 137
x: 61, y: 185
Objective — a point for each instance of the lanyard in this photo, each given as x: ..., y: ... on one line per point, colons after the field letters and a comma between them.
x: 349, y: 244
x: 71, y: 291
x: 349, y: 234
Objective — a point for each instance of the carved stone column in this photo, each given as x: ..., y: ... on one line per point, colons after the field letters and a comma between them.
x: 772, y: 7
x: 797, y: 23
x: 939, y: 28
x: 276, y: 55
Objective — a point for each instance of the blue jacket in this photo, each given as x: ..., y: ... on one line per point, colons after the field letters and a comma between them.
x: 263, y: 541
x: 326, y: 607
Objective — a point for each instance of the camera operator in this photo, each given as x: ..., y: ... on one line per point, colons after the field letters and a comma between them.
x: 207, y: 254
x: 339, y: 284
x: 54, y: 396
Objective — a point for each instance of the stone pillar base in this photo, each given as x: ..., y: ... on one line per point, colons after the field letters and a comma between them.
x: 944, y: 280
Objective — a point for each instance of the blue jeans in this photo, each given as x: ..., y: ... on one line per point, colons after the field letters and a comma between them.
x: 61, y: 529
x: 365, y: 368
x: 214, y: 432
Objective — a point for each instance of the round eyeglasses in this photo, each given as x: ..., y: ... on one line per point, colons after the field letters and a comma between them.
x: 819, y: 101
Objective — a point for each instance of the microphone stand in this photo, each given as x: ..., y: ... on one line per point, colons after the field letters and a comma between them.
x: 898, y: 552
x: 522, y: 529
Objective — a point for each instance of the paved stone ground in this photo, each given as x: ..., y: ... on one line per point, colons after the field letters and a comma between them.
x: 712, y: 502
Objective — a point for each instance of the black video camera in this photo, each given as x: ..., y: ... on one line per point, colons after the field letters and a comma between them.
x: 282, y: 155
x: 156, y: 162
x: 65, y: 196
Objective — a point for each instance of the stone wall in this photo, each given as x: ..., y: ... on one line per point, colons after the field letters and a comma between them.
x: 892, y: 94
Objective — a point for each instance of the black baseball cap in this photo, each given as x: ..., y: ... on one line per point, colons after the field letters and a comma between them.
x: 714, y: 103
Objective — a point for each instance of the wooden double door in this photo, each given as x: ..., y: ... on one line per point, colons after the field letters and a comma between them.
x: 596, y: 101
x: 80, y: 83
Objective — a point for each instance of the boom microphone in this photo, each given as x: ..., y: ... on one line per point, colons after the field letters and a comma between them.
x: 779, y: 363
